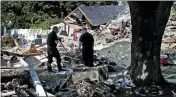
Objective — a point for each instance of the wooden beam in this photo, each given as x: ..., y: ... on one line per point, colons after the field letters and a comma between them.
x: 69, y: 77
x: 2, y: 67
x: 70, y: 13
x: 8, y: 94
x: 11, y: 53
x: 38, y: 86
x: 25, y: 68
x: 5, y: 57
x: 17, y: 54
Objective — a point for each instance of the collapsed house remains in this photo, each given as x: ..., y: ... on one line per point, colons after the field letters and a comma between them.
x: 90, y: 17
x: 24, y: 73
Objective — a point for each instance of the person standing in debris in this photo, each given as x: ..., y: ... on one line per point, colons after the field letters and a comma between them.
x: 52, y: 51
x: 74, y: 38
x: 87, y: 41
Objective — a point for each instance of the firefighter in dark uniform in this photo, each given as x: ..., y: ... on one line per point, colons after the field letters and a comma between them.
x: 52, y: 51
x: 86, y: 40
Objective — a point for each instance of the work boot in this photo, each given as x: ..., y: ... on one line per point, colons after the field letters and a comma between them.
x: 59, y: 67
x: 49, y: 67
x: 62, y: 70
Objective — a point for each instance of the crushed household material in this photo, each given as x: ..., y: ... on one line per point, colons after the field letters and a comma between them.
x: 24, y: 71
x: 7, y: 41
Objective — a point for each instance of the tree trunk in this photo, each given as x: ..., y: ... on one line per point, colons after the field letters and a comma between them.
x: 148, y: 24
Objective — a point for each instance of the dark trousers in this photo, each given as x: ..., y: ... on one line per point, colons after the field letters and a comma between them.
x: 87, y: 55
x: 53, y: 52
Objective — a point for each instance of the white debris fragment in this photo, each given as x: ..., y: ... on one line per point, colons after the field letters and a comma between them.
x: 174, y: 61
x: 125, y: 72
x: 174, y: 93
x: 144, y: 74
x: 109, y: 82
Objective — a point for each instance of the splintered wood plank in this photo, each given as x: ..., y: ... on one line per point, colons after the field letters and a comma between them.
x: 5, y: 57
x: 8, y: 94
x: 38, y: 86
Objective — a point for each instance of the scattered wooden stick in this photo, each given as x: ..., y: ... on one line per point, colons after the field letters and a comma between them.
x: 65, y: 81
x: 8, y: 93
x: 174, y: 93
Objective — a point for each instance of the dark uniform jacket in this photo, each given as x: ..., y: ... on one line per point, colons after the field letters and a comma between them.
x: 52, y: 37
x: 87, y: 40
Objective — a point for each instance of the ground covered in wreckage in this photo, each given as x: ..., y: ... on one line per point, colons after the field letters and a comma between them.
x: 105, y: 82
x: 120, y: 53
x: 107, y: 79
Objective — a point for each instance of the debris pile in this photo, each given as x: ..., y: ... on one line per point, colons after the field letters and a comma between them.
x: 108, y: 78
x: 88, y: 88
x: 172, y: 21
x: 120, y: 28
x: 69, y: 44
x: 169, y: 37
x: 7, y: 41
x: 16, y: 49
x: 16, y: 82
x: 169, y: 41
x: 115, y: 30
x: 13, y: 88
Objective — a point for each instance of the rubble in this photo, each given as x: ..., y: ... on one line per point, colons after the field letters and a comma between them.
x: 7, y: 41
x: 169, y: 41
x: 80, y: 85
x: 97, y: 73
x: 15, y: 88
x: 109, y: 77
x: 88, y: 88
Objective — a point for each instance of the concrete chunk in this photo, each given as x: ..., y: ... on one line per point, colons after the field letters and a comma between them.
x: 94, y: 73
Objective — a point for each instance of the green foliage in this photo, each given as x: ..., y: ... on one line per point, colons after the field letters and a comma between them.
x: 173, y: 9
x: 43, y: 25
x: 39, y: 14
x: 46, y: 24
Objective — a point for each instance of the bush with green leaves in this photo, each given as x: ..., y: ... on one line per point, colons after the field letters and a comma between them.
x: 39, y: 14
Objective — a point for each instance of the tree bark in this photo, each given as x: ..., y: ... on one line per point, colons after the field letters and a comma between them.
x: 148, y: 24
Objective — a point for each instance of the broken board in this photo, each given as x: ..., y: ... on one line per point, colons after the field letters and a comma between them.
x: 38, y: 86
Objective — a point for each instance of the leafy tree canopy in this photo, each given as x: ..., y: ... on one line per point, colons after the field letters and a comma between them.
x: 39, y: 14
